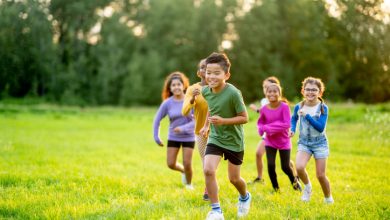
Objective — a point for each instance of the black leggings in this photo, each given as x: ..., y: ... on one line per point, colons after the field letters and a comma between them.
x: 285, y: 162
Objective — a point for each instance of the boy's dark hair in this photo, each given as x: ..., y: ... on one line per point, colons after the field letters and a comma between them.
x: 221, y: 59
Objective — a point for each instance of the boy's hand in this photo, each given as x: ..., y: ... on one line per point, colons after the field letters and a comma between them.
x: 291, y: 134
x: 216, y: 120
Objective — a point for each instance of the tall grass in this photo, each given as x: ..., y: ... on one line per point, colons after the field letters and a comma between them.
x: 102, y: 163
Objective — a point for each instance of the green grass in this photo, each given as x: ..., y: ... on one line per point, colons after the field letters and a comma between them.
x: 102, y: 163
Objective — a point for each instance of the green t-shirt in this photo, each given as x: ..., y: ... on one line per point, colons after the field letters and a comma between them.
x: 227, y: 104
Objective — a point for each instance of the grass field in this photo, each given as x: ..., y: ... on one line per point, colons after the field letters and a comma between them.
x: 102, y: 163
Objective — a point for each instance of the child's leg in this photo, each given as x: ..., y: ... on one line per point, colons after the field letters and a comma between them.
x: 285, y: 162
x: 259, y: 158
x: 301, y: 162
x: 271, y: 157
x: 321, y: 176
x: 187, y: 162
x: 201, y: 142
x: 211, y: 163
x: 236, y: 179
x: 172, y: 159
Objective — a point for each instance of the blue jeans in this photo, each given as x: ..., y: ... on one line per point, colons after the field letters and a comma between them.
x: 316, y: 146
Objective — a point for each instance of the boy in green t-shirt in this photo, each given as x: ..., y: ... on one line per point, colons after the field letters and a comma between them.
x: 226, y: 115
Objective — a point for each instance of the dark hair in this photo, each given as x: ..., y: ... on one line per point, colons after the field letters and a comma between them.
x: 318, y: 82
x: 166, y: 92
x: 220, y: 59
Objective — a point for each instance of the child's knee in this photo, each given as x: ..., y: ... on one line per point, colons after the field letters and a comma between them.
x: 300, y: 168
x: 171, y: 164
x: 234, y: 180
x: 321, y: 176
x: 187, y: 165
x: 208, y: 172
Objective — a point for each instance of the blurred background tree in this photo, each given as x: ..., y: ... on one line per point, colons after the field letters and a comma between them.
x: 117, y: 52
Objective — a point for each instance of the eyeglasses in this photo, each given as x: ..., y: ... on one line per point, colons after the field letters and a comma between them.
x: 311, y: 90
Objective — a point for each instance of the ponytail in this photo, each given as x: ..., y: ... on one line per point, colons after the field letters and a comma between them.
x: 322, y: 104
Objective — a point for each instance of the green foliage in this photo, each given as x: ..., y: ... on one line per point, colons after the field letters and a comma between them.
x: 27, y: 54
x: 78, y: 52
x: 102, y: 163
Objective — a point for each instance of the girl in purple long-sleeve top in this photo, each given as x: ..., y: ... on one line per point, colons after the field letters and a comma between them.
x: 275, y: 122
x: 181, y: 128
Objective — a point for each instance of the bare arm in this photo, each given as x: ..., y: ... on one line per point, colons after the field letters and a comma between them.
x: 205, y: 130
x: 240, y: 118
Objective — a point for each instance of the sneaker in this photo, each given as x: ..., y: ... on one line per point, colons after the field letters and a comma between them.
x: 306, y: 194
x: 243, y: 207
x: 297, y: 185
x: 329, y: 200
x: 257, y: 180
x: 183, y: 178
x: 189, y: 187
x: 215, y: 215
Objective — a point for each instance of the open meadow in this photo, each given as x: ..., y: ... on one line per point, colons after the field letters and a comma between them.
x: 102, y: 163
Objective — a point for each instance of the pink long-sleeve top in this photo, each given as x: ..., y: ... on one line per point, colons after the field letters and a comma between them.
x: 275, y: 123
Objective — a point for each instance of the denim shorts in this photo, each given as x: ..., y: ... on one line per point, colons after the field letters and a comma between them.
x: 318, y: 146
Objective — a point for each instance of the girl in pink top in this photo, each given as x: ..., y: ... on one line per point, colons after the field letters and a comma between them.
x: 275, y: 122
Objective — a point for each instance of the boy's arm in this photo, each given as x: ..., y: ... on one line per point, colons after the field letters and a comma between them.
x: 240, y: 118
x: 239, y: 107
x: 188, y: 103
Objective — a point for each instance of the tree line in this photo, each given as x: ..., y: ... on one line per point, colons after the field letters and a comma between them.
x: 118, y: 52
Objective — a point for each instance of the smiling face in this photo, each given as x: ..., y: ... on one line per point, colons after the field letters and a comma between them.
x: 272, y: 93
x: 216, y: 77
x: 177, y: 87
x: 311, y: 92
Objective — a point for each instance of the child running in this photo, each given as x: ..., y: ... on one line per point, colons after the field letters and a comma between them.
x: 261, y: 145
x: 181, y: 128
x: 312, y: 114
x: 194, y: 100
x: 275, y: 122
x: 226, y: 115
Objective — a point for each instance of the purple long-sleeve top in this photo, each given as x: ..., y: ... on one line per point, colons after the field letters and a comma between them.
x: 172, y: 108
x: 275, y: 123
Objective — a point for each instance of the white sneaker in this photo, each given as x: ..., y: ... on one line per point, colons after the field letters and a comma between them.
x: 213, y: 215
x: 243, y: 207
x: 329, y: 200
x: 189, y: 187
x: 306, y: 194
x: 183, y: 178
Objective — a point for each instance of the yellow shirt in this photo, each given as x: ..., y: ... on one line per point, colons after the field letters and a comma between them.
x: 200, y: 107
